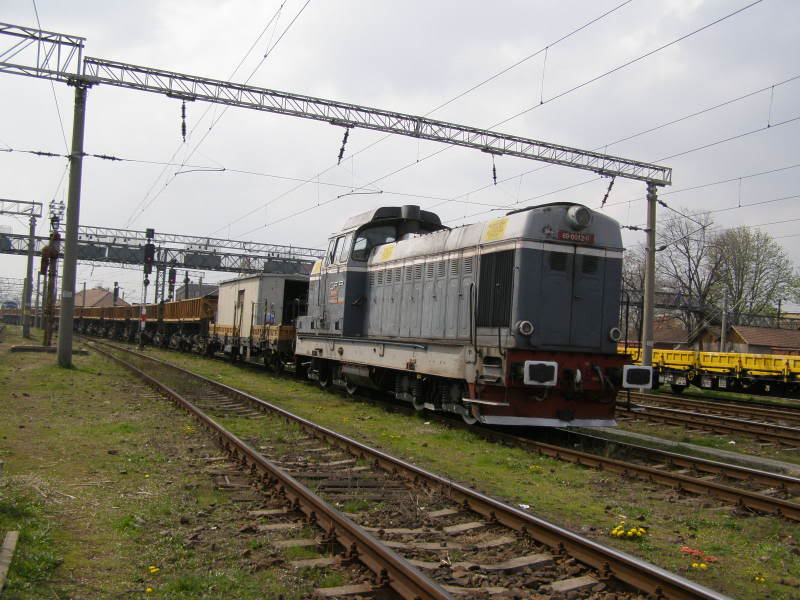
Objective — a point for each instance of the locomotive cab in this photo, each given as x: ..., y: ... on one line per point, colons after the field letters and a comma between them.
x: 337, y: 299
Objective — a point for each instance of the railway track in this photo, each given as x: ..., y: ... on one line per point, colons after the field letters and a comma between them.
x: 786, y: 416
x: 691, y: 420
x: 742, y: 487
x: 424, y: 536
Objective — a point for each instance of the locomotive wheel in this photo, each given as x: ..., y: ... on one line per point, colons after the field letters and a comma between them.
x: 324, y: 380
x: 418, y: 404
x: 677, y: 389
x: 351, y: 389
x: 468, y: 417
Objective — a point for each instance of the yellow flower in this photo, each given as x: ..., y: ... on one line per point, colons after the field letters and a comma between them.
x: 703, y: 566
x: 148, y: 590
x: 146, y: 476
x: 695, y: 565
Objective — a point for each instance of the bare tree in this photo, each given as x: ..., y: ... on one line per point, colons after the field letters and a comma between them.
x: 687, y: 265
x: 755, y: 273
x: 633, y: 272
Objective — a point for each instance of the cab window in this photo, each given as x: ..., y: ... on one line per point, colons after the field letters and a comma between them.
x: 367, y: 239
x: 333, y: 250
x: 341, y: 254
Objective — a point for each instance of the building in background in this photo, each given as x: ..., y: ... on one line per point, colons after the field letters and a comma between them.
x: 195, y: 290
x: 98, y: 296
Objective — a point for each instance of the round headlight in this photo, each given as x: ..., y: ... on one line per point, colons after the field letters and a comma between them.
x: 525, y: 327
x: 579, y: 216
x: 614, y: 334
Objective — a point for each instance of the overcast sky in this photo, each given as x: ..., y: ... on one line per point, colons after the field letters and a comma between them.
x: 411, y: 57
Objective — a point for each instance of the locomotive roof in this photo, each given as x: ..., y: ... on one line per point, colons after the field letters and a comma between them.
x: 542, y: 223
x: 428, y: 221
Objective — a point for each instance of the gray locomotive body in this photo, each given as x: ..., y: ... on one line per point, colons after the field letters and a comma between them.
x: 511, y: 321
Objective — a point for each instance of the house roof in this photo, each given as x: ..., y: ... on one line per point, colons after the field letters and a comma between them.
x: 196, y: 290
x: 765, y: 336
x: 669, y: 334
x: 98, y: 297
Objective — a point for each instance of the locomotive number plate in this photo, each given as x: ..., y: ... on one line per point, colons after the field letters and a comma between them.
x: 576, y: 236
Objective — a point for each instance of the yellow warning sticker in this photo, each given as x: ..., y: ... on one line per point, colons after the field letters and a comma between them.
x: 316, y: 267
x: 495, y: 230
x: 386, y: 253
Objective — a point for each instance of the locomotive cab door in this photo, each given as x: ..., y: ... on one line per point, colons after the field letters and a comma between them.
x: 572, y: 299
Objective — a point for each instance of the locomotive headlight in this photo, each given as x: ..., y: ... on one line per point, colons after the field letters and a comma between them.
x: 525, y: 327
x: 614, y: 334
x: 578, y: 216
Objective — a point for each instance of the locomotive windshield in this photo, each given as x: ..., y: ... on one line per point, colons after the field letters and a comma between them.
x: 367, y: 239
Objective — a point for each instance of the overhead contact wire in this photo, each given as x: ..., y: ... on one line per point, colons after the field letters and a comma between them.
x: 557, y: 96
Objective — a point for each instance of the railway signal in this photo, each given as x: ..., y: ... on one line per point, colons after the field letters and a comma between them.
x: 149, y: 256
x: 171, y: 280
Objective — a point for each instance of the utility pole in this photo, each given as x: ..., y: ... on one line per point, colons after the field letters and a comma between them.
x: 163, y: 266
x: 32, y: 210
x: 649, y: 278
x: 71, y: 234
x: 37, y: 314
x: 156, y: 286
x: 28, y: 287
x: 724, y: 325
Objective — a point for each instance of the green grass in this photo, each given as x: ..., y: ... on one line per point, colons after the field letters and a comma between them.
x: 37, y: 556
x: 103, y: 481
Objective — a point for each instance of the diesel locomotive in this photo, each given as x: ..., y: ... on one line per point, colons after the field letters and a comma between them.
x: 512, y: 321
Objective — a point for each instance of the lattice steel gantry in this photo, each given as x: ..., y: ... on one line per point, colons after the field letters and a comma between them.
x: 57, y: 56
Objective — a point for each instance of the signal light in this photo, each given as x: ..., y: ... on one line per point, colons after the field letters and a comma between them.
x: 172, y: 275
x: 149, y: 256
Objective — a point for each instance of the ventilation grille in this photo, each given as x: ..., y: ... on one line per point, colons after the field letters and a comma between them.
x: 496, y: 288
x: 468, y: 266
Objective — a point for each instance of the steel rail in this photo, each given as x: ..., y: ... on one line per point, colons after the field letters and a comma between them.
x: 608, y: 561
x: 722, y: 407
x: 773, y: 433
x: 388, y: 566
x: 704, y: 465
x: 744, y: 498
